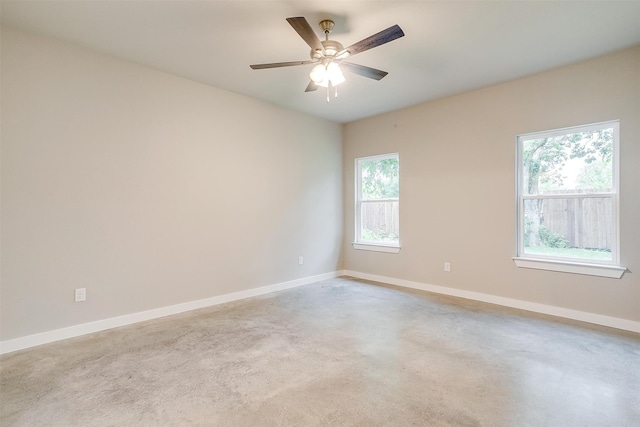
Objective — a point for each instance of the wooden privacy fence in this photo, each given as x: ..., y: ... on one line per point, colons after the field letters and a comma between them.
x: 381, y: 217
x: 584, y: 222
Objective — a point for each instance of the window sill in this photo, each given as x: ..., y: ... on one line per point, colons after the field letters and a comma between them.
x: 611, y: 271
x: 394, y: 249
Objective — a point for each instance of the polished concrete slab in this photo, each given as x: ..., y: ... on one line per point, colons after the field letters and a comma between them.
x: 339, y: 353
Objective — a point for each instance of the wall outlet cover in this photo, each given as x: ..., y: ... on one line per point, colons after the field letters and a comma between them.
x: 80, y: 294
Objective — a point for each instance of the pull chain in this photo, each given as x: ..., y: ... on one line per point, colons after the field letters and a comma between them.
x: 335, y: 91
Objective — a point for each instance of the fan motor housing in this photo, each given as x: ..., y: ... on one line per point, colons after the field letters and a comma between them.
x: 331, y: 48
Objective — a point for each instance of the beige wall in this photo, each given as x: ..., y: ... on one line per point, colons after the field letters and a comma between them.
x: 457, y: 160
x: 150, y: 190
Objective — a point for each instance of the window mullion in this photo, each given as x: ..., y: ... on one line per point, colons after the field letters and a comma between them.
x: 391, y: 199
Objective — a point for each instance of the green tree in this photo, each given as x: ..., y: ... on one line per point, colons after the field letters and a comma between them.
x: 597, y: 175
x: 380, y: 179
x: 543, y: 160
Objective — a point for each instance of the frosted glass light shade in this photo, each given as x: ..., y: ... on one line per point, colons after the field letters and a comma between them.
x: 318, y: 73
x: 322, y: 75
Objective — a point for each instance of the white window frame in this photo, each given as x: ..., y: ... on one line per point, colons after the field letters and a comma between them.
x: 359, y: 243
x: 611, y: 268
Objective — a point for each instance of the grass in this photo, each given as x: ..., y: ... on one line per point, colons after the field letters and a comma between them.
x: 590, y: 254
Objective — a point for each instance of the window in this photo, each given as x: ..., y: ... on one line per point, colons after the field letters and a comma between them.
x: 377, y: 203
x: 568, y: 199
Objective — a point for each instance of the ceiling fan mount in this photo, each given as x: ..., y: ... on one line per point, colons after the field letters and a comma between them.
x: 330, y: 48
x: 327, y: 25
x: 329, y: 55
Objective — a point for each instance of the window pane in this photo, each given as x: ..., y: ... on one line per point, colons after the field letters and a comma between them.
x: 571, y: 163
x: 379, y: 178
x: 379, y: 222
x: 580, y: 228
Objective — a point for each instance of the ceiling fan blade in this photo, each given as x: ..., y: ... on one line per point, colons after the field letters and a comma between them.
x: 279, y: 64
x: 305, y: 31
x: 362, y: 70
x: 384, y: 36
x: 311, y: 86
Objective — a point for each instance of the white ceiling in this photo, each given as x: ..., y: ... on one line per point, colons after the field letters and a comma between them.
x: 449, y: 46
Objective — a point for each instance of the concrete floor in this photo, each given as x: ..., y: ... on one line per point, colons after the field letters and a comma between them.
x: 339, y: 352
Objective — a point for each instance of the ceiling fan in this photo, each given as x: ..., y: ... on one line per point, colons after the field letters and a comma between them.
x: 329, y: 55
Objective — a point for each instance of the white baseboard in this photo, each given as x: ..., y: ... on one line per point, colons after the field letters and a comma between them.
x: 114, y: 322
x: 128, y: 319
x: 598, y: 319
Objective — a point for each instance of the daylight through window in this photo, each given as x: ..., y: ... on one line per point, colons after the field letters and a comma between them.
x: 377, y: 202
x: 567, y: 194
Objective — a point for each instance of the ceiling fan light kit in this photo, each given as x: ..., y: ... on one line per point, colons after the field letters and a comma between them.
x: 329, y: 55
x: 323, y: 75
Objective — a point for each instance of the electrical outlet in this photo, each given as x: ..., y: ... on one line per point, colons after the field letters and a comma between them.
x: 80, y: 294
x: 447, y: 266
x: 300, y: 260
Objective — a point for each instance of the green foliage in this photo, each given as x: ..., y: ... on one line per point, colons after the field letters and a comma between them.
x: 541, y: 159
x: 546, y: 238
x: 380, y: 179
x: 527, y: 232
x: 569, y: 163
x: 378, y: 236
x: 544, y: 158
x: 596, y: 175
x: 551, y: 239
x: 594, y: 146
